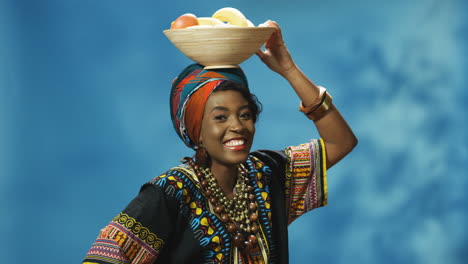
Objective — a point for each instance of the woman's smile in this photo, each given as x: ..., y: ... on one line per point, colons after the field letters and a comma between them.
x: 227, y: 128
x: 235, y: 144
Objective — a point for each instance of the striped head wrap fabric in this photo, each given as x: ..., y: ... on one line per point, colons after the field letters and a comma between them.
x: 189, y: 93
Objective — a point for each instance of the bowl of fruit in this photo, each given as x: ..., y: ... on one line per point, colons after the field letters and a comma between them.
x: 224, y: 40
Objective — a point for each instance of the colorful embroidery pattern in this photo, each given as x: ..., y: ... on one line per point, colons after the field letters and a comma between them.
x: 125, y: 240
x: 140, y: 231
x: 181, y: 183
x: 305, y: 178
x: 261, y: 182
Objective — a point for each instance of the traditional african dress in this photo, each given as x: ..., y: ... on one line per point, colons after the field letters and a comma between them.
x: 170, y: 221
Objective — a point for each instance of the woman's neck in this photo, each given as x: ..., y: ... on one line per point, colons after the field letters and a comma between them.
x: 226, y: 177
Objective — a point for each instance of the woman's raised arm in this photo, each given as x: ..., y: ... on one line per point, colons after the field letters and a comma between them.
x: 338, y: 137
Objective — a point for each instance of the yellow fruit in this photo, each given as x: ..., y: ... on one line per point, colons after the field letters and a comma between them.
x: 250, y: 24
x: 231, y: 16
x: 209, y: 21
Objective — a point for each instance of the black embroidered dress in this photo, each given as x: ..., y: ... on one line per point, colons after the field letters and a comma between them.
x: 170, y: 221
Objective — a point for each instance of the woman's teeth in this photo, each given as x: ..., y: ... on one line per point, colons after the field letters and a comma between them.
x: 233, y: 143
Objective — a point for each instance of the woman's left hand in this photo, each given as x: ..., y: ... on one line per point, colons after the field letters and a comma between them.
x: 338, y: 137
x: 276, y: 55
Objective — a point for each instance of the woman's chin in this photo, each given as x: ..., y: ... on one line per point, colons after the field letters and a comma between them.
x: 233, y: 160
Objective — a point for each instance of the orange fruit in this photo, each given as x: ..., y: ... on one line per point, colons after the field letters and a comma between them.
x: 185, y: 20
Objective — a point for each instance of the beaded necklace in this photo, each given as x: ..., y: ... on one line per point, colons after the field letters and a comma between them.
x: 238, y: 214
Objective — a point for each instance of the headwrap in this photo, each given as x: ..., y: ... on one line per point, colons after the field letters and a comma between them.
x: 189, y: 93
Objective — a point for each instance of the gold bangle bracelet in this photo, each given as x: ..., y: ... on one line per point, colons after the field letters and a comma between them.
x: 323, y: 109
x: 317, y: 111
x: 317, y: 102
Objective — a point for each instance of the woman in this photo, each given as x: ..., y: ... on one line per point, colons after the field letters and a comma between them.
x: 228, y: 205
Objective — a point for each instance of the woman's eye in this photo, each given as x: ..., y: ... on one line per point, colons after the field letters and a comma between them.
x: 220, y: 117
x: 246, y: 115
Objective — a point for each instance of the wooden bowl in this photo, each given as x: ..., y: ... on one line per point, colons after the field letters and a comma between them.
x: 219, y: 47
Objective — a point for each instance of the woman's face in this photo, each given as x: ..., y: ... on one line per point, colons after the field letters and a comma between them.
x: 227, y: 128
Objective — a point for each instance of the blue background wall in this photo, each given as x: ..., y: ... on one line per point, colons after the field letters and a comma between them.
x: 84, y: 121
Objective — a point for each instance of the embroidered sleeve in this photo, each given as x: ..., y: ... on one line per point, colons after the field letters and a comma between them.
x: 138, y: 233
x: 305, y: 178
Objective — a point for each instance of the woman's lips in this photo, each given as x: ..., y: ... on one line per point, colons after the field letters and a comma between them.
x: 235, y: 144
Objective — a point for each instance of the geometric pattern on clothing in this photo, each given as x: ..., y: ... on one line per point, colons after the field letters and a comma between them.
x: 124, y: 240
x: 259, y: 175
x: 261, y: 184
x: 306, y: 187
x: 139, y: 230
x: 181, y: 182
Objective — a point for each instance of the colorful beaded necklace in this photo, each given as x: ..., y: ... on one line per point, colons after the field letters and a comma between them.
x: 238, y: 214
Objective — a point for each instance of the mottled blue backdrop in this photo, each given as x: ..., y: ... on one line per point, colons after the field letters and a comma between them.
x: 84, y: 121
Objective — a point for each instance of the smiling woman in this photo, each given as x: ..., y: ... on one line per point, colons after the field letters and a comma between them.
x: 227, y: 129
x: 228, y: 204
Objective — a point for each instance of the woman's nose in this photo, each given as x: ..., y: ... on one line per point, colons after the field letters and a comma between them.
x: 236, y: 125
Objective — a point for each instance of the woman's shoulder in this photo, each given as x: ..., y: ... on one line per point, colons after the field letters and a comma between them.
x: 178, y: 179
x: 271, y: 158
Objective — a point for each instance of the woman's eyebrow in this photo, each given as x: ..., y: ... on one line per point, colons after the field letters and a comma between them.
x: 223, y: 108
x: 244, y: 107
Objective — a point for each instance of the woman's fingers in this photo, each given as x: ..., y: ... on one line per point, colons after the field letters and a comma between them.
x: 262, y: 54
x: 276, y: 38
x: 275, y: 54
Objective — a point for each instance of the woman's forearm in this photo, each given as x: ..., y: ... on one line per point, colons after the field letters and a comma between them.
x: 338, y: 137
